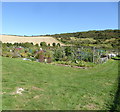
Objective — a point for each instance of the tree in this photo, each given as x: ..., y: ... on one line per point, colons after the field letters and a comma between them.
x: 9, y: 44
x: 68, y: 51
x: 58, y: 44
x: 49, y: 44
x: 36, y: 45
x: 59, y: 54
x: 43, y: 44
x: 27, y: 44
x: 40, y: 56
x: 31, y: 43
x: 54, y: 44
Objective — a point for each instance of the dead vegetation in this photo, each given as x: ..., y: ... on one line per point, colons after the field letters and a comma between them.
x: 34, y: 40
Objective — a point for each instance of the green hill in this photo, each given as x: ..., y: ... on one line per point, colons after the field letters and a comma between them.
x: 102, y: 38
x: 50, y: 87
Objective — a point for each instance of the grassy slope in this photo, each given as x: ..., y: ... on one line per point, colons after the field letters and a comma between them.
x: 57, y: 87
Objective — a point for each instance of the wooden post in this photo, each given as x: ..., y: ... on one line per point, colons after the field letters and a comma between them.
x: 93, y: 54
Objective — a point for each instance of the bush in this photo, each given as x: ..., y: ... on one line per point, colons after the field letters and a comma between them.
x: 32, y: 59
x: 40, y: 56
x: 15, y: 55
x: 8, y: 54
x: 43, y: 44
x: 68, y: 51
x: 116, y: 58
x: 58, y: 44
x: 59, y: 54
x: 23, y: 54
x: 81, y: 64
x: 49, y: 60
x: 85, y: 64
x: 49, y: 45
x: 54, y: 44
x: 36, y: 45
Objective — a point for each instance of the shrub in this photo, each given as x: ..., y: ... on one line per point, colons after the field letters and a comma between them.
x: 23, y: 54
x: 64, y: 58
x: 49, y: 60
x: 116, y: 58
x: 59, y: 54
x: 32, y: 59
x: 15, y: 55
x: 43, y: 44
x: 49, y: 45
x: 58, y: 44
x: 36, y: 45
x: 27, y: 44
x: 54, y: 44
x: 40, y: 56
x: 68, y: 51
x: 81, y: 64
x: 8, y: 54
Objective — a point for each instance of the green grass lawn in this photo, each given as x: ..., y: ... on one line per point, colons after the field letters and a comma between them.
x: 50, y: 87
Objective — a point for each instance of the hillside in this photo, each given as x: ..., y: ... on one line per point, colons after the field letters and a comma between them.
x: 102, y: 38
x: 50, y: 87
x: 35, y: 40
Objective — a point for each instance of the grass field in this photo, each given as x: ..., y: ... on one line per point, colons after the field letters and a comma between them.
x: 50, y: 87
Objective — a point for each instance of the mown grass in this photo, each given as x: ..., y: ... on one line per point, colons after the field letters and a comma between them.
x: 50, y: 87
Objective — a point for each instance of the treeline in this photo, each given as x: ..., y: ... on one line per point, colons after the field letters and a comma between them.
x: 103, y: 34
x: 106, y: 37
x: 27, y: 44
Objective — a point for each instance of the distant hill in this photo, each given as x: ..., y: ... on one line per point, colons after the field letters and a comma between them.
x: 102, y: 38
x: 105, y: 38
x: 96, y: 34
x: 35, y: 40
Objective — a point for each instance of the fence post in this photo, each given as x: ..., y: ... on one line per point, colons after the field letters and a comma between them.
x: 93, y: 54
